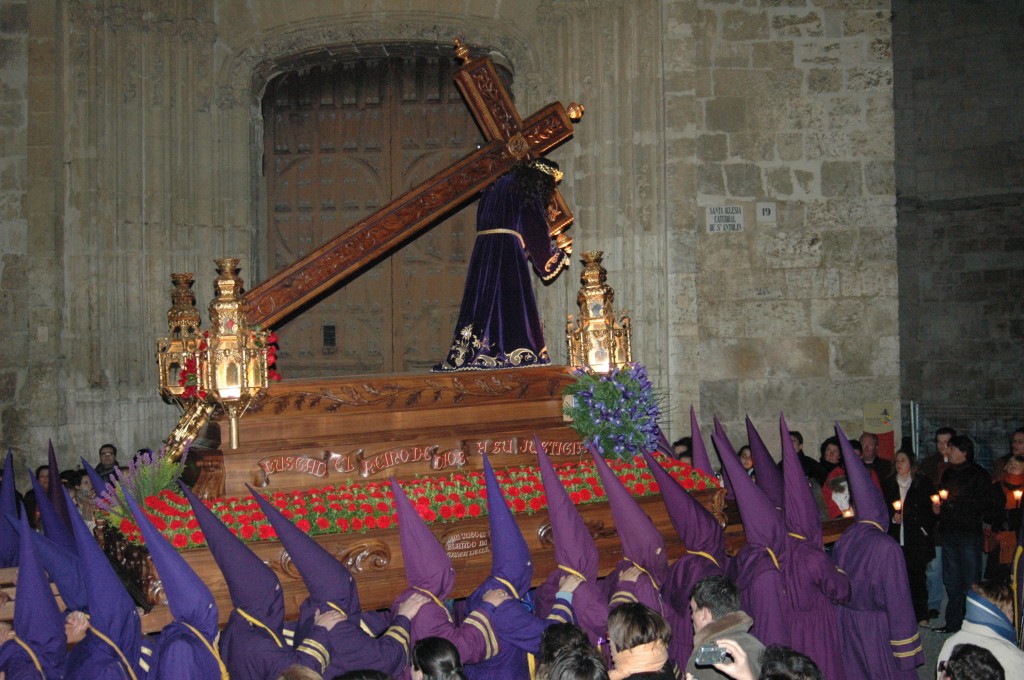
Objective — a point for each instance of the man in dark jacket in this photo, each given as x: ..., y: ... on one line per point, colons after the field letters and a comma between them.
x: 715, y: 603
x: 967, y: 488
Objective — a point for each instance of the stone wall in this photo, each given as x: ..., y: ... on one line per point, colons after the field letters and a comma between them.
x: 151, y: 112
x: 960, y: 179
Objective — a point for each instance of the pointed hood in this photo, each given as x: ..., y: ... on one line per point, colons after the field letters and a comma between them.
x: 769, y: 478
x: 253, y: 586
x: 867, y: 498
x: 53, y: 525
x: 8, y: 508
x: 801, y: 510
x: 510, y: 556
x: 55, y: 492
x: 701, y: 459
x: 641, y: 541
x: 699, y: 531
x: 111, y: 610
x: 188, y: 597
x: 40, y: 625
x: 762, y: 521
x: 574, y: 545
x: 326, y: 578
x: 99, y: 484
x: 730, y: 492
x: 427, y: 565
x: 61, y: 564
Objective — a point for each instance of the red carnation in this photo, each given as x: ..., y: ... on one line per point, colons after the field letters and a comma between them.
x: 474, y: 510
x: 383, y: 522
x: 127, y: 527
x: 303, y: 525
x: 460, y: 510
x: 177, y: 524
x: 357, y: 524
x: 342, y: 524
x: 382, y: 506
x: 512, y: 491
x: 322, y: 523
x: 371, y: 522
x: 266, y: 531
x: 536, y: 503
x: 574, y: 496
x: 520, y: 505
x: 247, y: 531
x: 446, y: 511
x: 585, y: 495
x: 179, y: 541
x: 197, y: 538
x: 639, y: 489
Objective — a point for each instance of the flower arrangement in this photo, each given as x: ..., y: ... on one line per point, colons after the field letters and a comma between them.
x: 147, y: 475
x: 362, y: 506
x: 615, y: 413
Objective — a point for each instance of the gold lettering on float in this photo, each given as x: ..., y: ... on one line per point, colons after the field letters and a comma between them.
x: 461, y: 544
x: 293, y: 463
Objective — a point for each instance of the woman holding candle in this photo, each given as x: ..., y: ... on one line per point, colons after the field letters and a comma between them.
x: 1005, y: 519
x: 912, y: 523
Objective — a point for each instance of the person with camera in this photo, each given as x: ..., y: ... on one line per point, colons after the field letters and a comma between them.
x: 715, y: 603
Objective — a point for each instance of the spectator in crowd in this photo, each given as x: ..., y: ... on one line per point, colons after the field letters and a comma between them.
x: 933, y: 466
x: 811, y: 467
x: 577, y: 664
x: 828, y: 460
x: 84, y: 497
x: 970, y: 662
x: 1004, y: 519
x: 869, y: 454
x: 717, y: 616
x: 559, y: 639
x: 108, y: 467
x: 747, y: 460
x: 638, y: 638
x: 777, y: 663
x: 988, y: 624
x: 1016, y: 449
x: 681, y: 448
x: 836, y: 490
x: 434, y: 658
x: 960, y: 516
x: 912, y: 523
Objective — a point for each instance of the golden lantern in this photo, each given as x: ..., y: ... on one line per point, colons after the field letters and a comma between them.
x: 596, y: 339
x: 225, y: 366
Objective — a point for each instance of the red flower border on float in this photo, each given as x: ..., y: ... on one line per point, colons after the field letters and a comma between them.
x: 364, y: 505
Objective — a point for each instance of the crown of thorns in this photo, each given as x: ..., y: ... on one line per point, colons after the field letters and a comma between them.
x: 548, y: 168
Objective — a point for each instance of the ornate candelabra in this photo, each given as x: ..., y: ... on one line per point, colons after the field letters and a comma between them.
x: 596, y: 339
x: 225, y: 366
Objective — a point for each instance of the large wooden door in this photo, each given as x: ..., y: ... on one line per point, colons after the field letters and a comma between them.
x: 341, y: 141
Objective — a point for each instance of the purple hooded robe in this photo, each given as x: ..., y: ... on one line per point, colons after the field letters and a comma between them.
x: 757, y: 567
x: 518, y: 630
x: 499, y: 326
x: 252, y: 642
x: 185, y: 647
x: 642, y: 545
x: 878, y: 626
x: 814, y: 583
x: 767, y: 473
x: 354, y: 645
x: 705, y: 555
x: 8, y: 508
x: 112, y: 647
x: 575, y: 553
x: 429, y: 571
x: 38, y: 624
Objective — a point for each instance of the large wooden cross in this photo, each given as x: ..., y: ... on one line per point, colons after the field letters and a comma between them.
x: 509, y: 139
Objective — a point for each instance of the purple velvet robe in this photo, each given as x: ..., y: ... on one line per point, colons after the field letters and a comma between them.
x: 762, y: 587
x: 474, y: 637
x: 682, y: 577
x: 251, y: 653
x: 353, y: 648
x: 499, y: 326
x: 589, y: 605
x: 16, y: 664
x: 815, y: 587
x: 93, y: 659
x: 644, y: 590
x: 519, y: 632
x: 181, y: 655
x: 878, y: 626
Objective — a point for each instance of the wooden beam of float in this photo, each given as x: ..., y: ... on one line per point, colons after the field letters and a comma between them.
x: 509, y: 140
